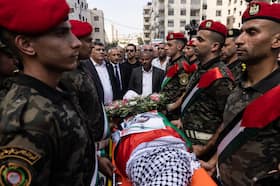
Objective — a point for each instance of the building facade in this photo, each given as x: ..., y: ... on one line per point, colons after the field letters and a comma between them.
x: 97, y: 20
x: 164, y: 16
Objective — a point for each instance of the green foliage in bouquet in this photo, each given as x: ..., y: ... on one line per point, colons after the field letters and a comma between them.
x: 125, y: 108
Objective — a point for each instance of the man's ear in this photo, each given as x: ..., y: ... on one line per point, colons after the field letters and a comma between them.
x: 276, y: 41
x: 215, y: 46
x: 24, y: 45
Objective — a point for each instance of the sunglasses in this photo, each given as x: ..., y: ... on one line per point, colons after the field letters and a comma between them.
x: 150, y: 50
x: 130, y: 51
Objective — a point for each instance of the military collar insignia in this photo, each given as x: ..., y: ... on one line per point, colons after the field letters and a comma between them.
x: 254, y: 9
x: 208, y: 24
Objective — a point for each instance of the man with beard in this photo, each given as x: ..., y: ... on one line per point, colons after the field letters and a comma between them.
x: 146, y: 79
x: 249, y: 152
x: 229, y: 55
x: 44, y: 138
x: 208, y: 88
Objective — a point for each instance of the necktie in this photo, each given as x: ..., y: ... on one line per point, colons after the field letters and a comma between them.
x: 117, y: 77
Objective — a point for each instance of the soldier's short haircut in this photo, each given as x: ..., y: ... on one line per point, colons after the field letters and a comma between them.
x: 216, y: 37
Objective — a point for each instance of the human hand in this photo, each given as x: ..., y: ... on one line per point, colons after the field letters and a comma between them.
x: 105, y: 166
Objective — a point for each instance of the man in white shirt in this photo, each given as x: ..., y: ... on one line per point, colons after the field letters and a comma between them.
x: 146, y: 79
x: 162, y: 59
x: 104, y: 74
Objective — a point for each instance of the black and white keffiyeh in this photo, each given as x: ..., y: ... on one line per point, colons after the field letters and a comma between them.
x: 166, y: 165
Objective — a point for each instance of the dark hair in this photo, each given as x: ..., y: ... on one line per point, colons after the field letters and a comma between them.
x: 216, y: 37
x: 7, y: 37
x: 130, y: 44
x: 98, y: 43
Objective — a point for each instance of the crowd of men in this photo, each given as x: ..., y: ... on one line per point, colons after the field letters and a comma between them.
x: 222, y: 89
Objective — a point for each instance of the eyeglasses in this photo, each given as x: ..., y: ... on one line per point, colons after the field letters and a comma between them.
x: 150, y: 50
x: 130, y: 51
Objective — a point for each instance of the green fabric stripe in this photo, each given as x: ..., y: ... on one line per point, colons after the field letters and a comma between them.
x: 237, y: 142
x: 181, y: 133
x: 165, y: 81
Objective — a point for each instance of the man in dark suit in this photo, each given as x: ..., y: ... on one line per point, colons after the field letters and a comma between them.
x: 103, y: 74
x: 114, y: 56
x: 146, y: 79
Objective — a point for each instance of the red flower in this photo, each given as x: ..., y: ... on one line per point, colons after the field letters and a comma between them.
x: 189, y: 68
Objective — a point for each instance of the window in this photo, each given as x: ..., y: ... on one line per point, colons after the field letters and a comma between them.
x: 234, y: 10
x: 171, y: 12
x: 170, y: 1
x: 96, y: 18
x: 195, y: 12
x: 170, y: 23
x: 96, y: 29
x: 228, y: 12
x: 203, y: 17
x: 183, y: 12
x: 204, y: 6
x: 182, y: 23
x: 240, y: 13
x: 183, y: 1
x: 218, y: 13
x: 71, y: 10
x: 219, y: 2
x: 78, y: 1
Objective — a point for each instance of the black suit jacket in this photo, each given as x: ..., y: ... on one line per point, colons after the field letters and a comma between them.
x: 136, y: 79
x: 94, y: 75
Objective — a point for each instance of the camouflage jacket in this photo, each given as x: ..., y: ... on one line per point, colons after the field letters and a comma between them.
x: 236, y: 69
x: 5, y: 85
x: 260, y: 153
x: 43, y: 139
x: 205, y: 111
x: 174, y: 89
x: 86, y: 92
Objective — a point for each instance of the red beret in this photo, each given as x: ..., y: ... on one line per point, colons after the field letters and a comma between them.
x: 32, y: 16
x: 190, y: 43
x: 262, y: 10
x: 80, y: 29
x: 177, y: 35
x: 214, y: 26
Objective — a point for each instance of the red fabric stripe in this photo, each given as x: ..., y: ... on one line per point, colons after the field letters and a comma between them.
x: 209, y: 77
x: 129, y: 143
x: 262, y: 110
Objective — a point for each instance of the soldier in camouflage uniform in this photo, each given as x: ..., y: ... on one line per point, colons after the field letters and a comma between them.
x: 208, y: 87
x: 85, y: 88
x: 252, y: 156
x: 44, y: 139
x: 8, y: 69
x: 178, y: 71
x: 229, y: 55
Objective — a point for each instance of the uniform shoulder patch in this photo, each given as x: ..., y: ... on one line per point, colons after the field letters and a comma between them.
x: 19, y: 153
x: 14, y: 174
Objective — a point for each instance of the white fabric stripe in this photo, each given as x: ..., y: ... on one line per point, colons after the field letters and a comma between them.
x: 106, y: 124
x: 94, y: 176
x: 188, y: 98
x: 229, y: 137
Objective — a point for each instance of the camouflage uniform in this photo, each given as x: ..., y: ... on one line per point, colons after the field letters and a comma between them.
x: 261, y: 152
x: 174, y: 89
x: 43, y: 139
x: 204, y: 113
x: 236, y: 69
x: 87, y: 94
x: 5, y: 85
